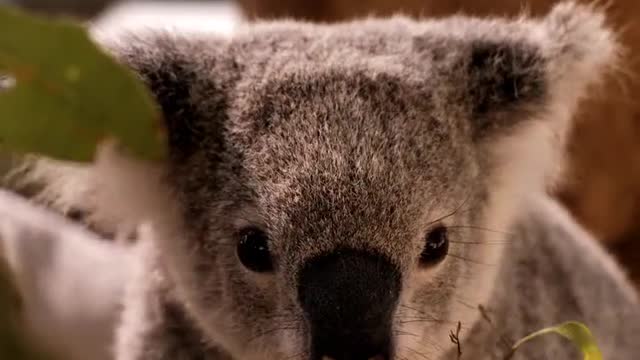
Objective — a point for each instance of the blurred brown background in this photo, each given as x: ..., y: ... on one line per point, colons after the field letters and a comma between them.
x: 603, y: 188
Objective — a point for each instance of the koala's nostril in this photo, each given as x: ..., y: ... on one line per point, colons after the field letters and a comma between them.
x: 349, y: 298
x: 363, y: 345
x: 377, y: 357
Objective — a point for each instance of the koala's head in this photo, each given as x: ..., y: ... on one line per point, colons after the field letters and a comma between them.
x: 345, y: 190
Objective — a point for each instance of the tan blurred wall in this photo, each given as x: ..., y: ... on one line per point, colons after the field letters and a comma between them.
x: 603, y: 187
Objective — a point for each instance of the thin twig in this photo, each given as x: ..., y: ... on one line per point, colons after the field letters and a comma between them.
x: 455, y: 338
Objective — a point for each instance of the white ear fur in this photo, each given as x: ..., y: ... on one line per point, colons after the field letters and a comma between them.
x: 578, y: 50
x: 131, y: 190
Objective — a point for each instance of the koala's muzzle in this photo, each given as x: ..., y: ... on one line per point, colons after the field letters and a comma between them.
x: 349, y: 298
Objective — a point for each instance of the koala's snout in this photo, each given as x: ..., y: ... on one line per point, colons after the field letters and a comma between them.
x: 349, y: 298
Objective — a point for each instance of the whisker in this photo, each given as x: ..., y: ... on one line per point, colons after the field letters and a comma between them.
x: 473, y: 227
x: 294, y: 355
x: 440, y: 321
x: 432, y: 343
x: 267, y: 332
x: 414, y: 309
x: 425, y: 320
x: 476, y: 262
x: 404, y: 333
x: 418, y: 319
x: 480, y: 242
x: 466, y: 304
x: 417, y: 353
x: 427, y: 315
x: 420, y: 312
x: 455, y: 211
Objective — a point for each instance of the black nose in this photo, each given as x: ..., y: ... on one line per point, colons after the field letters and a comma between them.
x: 349, y: 298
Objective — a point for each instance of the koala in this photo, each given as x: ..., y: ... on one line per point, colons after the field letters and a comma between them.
x: 370, y: 190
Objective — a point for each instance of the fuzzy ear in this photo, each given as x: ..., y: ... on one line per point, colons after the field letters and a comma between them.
x: 181, y: 76
x: 519, y: 82
x: 503, y: 78
x: 578, y: 47
x: 533, y: 69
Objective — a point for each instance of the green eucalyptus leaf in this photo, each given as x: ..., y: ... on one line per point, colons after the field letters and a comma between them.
x: 66, y: 95
x: 577, y: 332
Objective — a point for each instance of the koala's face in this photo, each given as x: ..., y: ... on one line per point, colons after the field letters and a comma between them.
x: 345, y: 190
x: 360, y: 203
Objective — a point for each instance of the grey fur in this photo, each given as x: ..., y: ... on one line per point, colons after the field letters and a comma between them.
x: 365, y: 135
x: 555, y: 272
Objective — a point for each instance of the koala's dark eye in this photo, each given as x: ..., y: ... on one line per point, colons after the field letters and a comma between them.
x: 253, y: 250
x: 436, y: 246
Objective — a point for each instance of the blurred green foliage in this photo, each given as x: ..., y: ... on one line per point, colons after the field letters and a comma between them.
x: 62, y: 95
x: 578, y: 333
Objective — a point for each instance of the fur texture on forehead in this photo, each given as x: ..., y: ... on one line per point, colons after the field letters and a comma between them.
x: 360, y: 135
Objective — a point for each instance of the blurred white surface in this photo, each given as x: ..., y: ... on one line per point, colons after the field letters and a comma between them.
x: 71, y: 282
x: 217, y: 17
